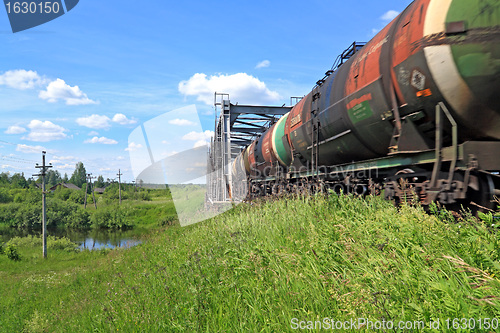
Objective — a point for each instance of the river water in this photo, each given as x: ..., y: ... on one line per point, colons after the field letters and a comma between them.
x: 86, y: 240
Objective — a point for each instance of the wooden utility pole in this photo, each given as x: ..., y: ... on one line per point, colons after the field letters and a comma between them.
x: 92, y: 186
x: 43, y: 172
x: 119, y: 174
x: 86, y: 186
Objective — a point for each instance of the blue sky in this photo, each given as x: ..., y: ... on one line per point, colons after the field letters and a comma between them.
x: 79, y: 85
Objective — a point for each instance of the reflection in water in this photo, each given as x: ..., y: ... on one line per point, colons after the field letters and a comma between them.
x: 86, y: 239
x: 93, y: 244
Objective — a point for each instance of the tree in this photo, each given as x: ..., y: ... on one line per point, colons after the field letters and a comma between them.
x: 18, y: 181
x: 53, y: 177
x: 65, y: 178
x: 4, y: 178
x: 99, y: 182
x: 79, y: 176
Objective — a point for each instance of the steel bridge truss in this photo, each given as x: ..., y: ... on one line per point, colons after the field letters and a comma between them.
x: 236, y: 127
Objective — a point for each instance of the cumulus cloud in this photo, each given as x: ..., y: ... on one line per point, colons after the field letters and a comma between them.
x: 65, y: 158
x: 94, y: 121
x: 102, y: 140
x: 182, y: 122
x: 59, y: 90
x: 21, y: 79
x: 200, y: 143
x: 389, y: 15
x: 93, y: 133
x: 66, y: 166
x: 15, y: 130
x: 44, y: 131
x: 263, y: 64
x: 197, y: 136
x: 122, y: 119
x: 132, y: 146
x: 29, y: 149
x: 201, y: 138
x: 241, y: 87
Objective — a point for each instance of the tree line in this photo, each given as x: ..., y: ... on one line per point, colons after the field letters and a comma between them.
x: 53, y: 177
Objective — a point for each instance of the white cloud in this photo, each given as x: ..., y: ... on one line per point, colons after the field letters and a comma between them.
x: 198, y: 136
x: 133, y: 146
x: 241, y: 87
x: 122, y: 119
x: 15, y: 130
x: 182, y: 122
x: 93, y: 133
x: 59, y: 90
x: 6, y: 166
x: 263, y: 64
x: 44, y: 131
x: 201, y: 138
x: 30, y: 149
x: 103, y: 140
x: 389, y: 15
x: 94, y: 121
x: 65, y: 158
x: 66, y: 166
x: 21, y: 79
x: 200, y: 143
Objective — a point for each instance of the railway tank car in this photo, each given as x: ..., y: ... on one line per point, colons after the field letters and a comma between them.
x: 419, y: 103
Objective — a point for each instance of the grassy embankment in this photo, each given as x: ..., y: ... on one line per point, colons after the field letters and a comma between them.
x: 257, y: 266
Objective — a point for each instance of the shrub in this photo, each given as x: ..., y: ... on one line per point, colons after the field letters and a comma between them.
x: 77, y: 196
x: 112, y: 217
x: 62, y: 193
x: 53, y: 243
x: 5, y: 196
x: 12, y: 253
x: 63, y: 243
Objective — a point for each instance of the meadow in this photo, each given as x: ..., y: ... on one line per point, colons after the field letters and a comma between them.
x: 266, y: 266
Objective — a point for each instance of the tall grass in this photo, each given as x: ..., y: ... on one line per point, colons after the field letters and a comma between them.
x: 259, y: 265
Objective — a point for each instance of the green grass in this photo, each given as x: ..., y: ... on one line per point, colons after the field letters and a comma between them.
x: 258, y: 266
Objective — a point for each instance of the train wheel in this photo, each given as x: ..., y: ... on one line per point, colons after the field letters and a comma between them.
x: 481, y: 192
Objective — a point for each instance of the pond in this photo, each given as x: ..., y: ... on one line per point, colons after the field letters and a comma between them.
x: 86, y: 239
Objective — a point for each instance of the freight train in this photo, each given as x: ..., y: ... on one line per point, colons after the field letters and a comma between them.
x: 413, y: 114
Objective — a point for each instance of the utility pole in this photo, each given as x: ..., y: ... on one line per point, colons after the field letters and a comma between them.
x: 43, y: 172
x: 92, y: 186
x: 86, y: 186
x: 119, y: 174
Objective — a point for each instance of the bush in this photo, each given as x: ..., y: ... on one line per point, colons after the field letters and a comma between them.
x: 77, y: 197
x: 53, y: 243
x: 5, y: 196
x: 1, y: 249
x: 66, y: 213
x: 112, y: 217
x: 62, y: 193
x: 64, y: 244
x: 12, y: 253
x: 59, y: 213
x: 8, y: 214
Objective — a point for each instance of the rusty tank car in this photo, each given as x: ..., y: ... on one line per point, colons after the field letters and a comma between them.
x: 414, y: 112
